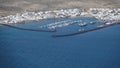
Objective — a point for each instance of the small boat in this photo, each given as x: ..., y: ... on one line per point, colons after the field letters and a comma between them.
x: 82, y: 24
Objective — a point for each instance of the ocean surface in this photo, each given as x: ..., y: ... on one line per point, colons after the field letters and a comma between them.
x: 32, y: 49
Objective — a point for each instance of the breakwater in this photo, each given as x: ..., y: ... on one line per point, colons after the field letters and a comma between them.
x: 85, y: 31
x: 29, y: 29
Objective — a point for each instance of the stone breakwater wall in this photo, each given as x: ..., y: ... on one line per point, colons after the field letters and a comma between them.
x: 102, y: 14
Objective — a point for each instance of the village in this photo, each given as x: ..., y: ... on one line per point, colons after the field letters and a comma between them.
x: 102, y: 14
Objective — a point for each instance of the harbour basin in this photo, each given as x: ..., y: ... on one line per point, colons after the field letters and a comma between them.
x: 32, y: 49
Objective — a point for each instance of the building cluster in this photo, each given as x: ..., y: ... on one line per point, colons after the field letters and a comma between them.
x: 103, y: 14
x: 41, y: 15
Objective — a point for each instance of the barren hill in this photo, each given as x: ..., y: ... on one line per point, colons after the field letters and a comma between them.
x: 8, y: 7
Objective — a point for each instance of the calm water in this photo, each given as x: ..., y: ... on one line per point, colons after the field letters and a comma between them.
x: 29, y: 49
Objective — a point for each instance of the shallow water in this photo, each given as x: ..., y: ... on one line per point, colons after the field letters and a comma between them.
x: 30, y: 49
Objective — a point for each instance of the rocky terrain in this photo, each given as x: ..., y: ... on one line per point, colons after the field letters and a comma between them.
x: 9, y: 7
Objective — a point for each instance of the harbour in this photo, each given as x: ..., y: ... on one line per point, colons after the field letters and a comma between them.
x: 24, y: 48
x: 59, y: 33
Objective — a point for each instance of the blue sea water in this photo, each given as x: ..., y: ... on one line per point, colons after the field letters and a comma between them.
x: 30, y: 49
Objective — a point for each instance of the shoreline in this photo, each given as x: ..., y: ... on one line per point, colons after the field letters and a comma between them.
x: 37, y: 16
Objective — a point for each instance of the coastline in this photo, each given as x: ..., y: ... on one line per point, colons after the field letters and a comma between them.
x: 41, y: 15
x: 52, y: 27
x: 101, y: 14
